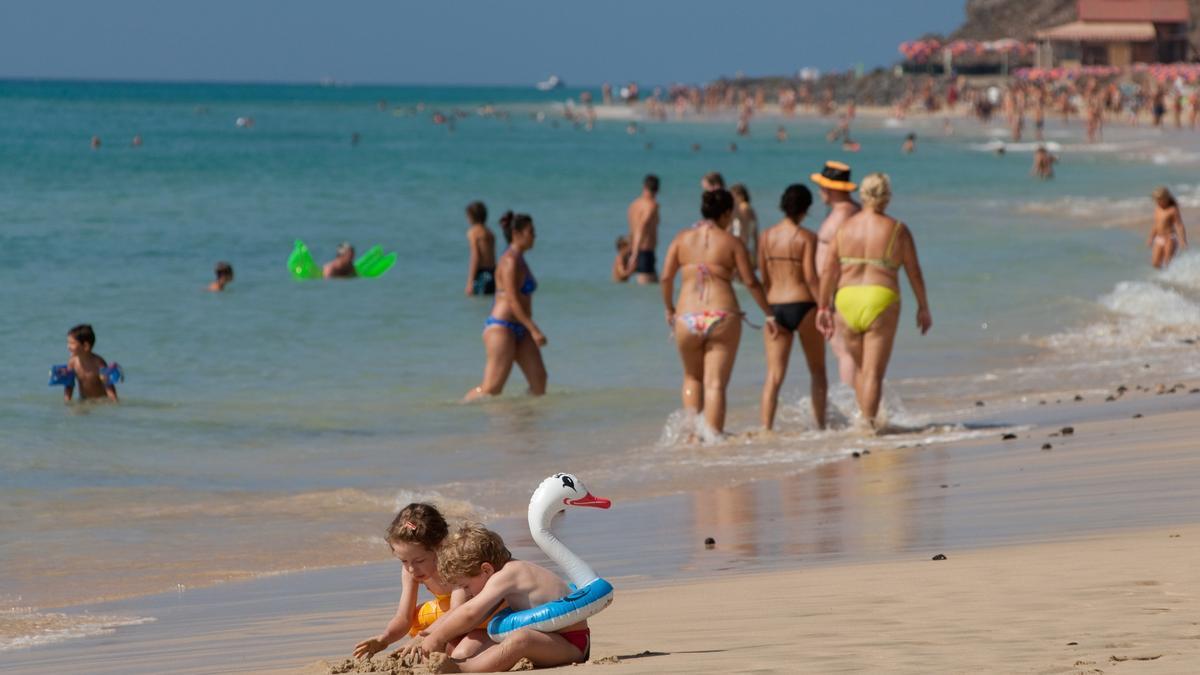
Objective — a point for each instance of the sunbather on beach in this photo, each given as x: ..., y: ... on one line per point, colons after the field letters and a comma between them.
x: 476, y: 560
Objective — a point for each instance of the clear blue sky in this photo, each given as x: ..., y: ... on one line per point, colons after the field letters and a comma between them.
x: 449, y: 41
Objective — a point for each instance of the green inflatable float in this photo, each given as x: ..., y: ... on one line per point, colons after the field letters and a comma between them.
x: 369, y: 265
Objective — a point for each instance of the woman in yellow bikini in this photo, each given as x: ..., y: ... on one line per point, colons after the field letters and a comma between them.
x: 864, y: 265
x: 708, y: 325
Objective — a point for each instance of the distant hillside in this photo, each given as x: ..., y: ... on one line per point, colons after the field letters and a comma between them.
x: 995, y: 19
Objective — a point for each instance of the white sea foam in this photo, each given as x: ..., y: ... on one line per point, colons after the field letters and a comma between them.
x: 22, y: 629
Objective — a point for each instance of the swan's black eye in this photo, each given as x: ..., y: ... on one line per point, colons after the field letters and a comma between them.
x: 567, y: 482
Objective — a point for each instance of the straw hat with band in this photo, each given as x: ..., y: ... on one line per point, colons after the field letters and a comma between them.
x: 835, y: 176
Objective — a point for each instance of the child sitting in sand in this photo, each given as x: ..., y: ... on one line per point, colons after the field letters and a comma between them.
x: 414, y: 536
x: 224, y: 272
x: 618, y: 267
x: 87, y: 367
x: 476, y: 559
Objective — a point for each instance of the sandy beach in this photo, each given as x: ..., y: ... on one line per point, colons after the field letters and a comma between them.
x: 1077, y: 558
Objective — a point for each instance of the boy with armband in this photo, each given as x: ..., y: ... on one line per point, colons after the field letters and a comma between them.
x: 96, y: 379
x: 475, y: 559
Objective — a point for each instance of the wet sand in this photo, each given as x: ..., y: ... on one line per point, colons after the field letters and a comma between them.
x: 821, y: 571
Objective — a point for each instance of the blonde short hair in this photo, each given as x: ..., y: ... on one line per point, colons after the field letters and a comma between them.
x: 464, y: 552
x: 876, y: 191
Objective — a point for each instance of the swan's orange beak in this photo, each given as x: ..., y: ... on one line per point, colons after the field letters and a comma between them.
x: 589, y: 500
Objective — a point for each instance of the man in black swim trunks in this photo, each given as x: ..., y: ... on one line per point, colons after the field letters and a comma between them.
x: 643, y: 232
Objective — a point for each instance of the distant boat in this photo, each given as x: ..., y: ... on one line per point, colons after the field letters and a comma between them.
x: 550, y: 84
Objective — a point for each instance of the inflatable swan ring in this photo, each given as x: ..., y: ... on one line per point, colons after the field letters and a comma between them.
x: 589, y: 594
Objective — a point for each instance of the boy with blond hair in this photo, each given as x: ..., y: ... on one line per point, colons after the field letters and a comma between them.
x: 475, y: 559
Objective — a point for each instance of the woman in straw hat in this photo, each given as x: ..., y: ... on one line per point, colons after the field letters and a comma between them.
x: 864, y: 265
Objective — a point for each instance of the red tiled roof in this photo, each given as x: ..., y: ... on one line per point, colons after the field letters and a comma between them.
x: 1103, y: 31
x: 1158, y: 11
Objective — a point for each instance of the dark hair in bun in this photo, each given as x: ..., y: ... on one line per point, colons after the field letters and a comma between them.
x: 512, y: 223
x: 795, y: 201
x: 715, y: 203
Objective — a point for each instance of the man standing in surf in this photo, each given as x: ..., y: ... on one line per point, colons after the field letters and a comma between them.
x: 643, y: 233
x: 835, y: 187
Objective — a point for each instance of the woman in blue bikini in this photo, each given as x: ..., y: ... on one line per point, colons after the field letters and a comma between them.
x: 509, y: 333
x: 708, y: 325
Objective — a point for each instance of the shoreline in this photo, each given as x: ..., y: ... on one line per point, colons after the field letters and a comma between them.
x: 1114, y: 476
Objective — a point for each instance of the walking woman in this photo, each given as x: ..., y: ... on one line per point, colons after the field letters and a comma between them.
x: 509, y: 334
x: 787, y: 259
x: 864, y: 266
x: 707, y: 321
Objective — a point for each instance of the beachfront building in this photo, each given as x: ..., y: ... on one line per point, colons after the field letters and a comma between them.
x: 1118, y: 33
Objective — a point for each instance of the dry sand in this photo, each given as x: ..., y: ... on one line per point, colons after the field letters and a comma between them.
x: 1125, y: 602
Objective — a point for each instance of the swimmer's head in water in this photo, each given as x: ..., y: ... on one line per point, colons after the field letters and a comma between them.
x: 712, y: 180
x: 740, y: 193
x: 477, y: 212
x: 82, y: 335
x: 224, y: 271
x: 795, y: 202
x: 418, y: 523
x: 344, y: 249
x: 876, y: 191
x: 716, y: 203
x: 650, y: 182
x: 1163, y: 196
x: 515, y: 224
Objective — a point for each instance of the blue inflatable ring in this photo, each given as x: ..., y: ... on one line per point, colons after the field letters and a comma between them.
x: 555, y: 615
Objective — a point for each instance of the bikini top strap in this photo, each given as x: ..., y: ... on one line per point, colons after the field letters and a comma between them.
x: 887, y: 254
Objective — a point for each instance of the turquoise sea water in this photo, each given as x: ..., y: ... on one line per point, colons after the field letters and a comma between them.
x: 283, y: 404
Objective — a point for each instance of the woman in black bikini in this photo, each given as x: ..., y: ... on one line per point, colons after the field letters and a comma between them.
x: 787, y: 260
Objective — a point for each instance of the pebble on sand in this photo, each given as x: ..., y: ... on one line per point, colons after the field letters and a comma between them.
x: 1047, y: 446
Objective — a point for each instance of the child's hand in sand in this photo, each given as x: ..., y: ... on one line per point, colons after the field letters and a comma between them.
x: 368, y: 648
x: 428, y: 644
x: 408, y: 651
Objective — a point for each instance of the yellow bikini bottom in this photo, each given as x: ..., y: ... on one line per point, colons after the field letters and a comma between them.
x: 861, y: 305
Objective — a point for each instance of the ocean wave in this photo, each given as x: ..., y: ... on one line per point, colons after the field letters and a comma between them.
x: 1162, y: 312
x: 1109, y: 211
x: 20, y: 629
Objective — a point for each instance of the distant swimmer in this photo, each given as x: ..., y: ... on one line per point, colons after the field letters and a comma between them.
x: 631, y: 128
x: 707, y: 321
x: 95, y: 142
x: 733, y: 147
x: 643, y: 218
x: 1167, y: 235
x: 1043, y: 163
x: 509, y: 333
x: 850, y: 145
x: 745, y: 221
x: 695, y: 147
x: 781, y: 134
x: 619, y: 274
x: 1000, y: 149
x: 835, y: 189
x: 787, y: 262
x: 910, y: 144
x: 341, y: 267
x: 224, y: 274
x: 354, y: 138
x: 863, y: 267
x: 137, y: 141
x: 712, y: 181
x: 481, y: 265
x: 244, y: 122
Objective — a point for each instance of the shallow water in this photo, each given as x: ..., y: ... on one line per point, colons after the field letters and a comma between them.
x: 277, y: 425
